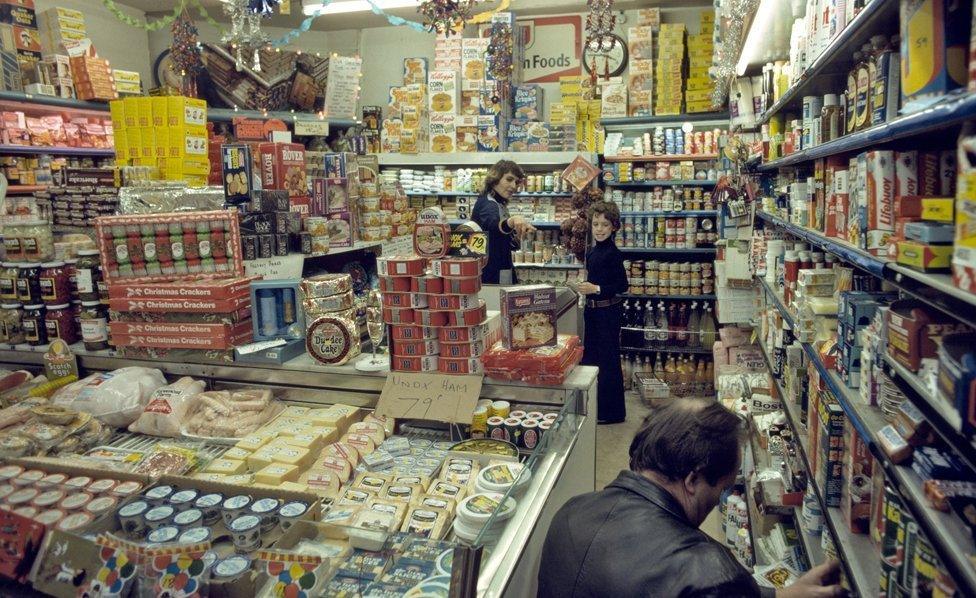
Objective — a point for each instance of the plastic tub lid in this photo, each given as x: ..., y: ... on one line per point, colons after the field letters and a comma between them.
x: 478, y: 508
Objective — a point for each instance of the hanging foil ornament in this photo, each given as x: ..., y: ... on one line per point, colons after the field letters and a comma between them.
x: 600, y: 25
x: 245, y: 36
x: 499, y: 60
x: 446, y: 17
x: 263, y: 7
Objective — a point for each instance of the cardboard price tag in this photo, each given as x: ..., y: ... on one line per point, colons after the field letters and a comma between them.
x: 468, y: 244
x: 432, y: 397
x: 276, y: 268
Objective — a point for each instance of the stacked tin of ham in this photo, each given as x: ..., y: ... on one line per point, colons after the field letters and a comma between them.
x: 437, y: 322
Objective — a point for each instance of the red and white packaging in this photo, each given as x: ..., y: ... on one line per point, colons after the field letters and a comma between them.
x: 427, y: 284
x: 456, y: 350
x: 835, y: 221
x: 416, y: 348
x: 283, y: 167
x: 414, y: 300
x: 452, y: 301
x: 396, y: 315
x: 880, y: 200
x: 462, y: 286
x: 488, y: 331
x: 906, y: 173
x: 243, y: 336
x: 227, y: 288
x: 929, y: 173
x: 190, y: 329
x: 400, y: 266
x: 466, y: 365
x: 466, y: 317
x: 180, y: 305
x: 412, y: 333
x: 426, y: 317
x: 426, y: 363
x: 456, y: 267
x: 395, y: 284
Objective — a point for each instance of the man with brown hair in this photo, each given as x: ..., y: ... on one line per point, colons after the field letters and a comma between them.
x: 639, y: 536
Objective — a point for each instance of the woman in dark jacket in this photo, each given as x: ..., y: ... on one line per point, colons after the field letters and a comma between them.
x: 605, y: 281
x: 504, y: 231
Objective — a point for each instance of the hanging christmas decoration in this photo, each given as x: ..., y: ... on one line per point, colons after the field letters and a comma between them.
x: 577, y: 227
x: 446, y: 16
x: 263, y: 7
x: 728, y: 38
x: 499, y: 60
x: 185, y: 53
x: 245, y: 37
x: 600, y: 24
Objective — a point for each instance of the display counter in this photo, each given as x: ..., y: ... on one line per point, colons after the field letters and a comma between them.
x: 501, y: 563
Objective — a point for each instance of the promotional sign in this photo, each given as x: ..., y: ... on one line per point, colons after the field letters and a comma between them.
x: 553, y: 48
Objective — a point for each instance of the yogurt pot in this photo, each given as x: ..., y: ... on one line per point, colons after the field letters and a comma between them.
x: 48, y: 499
x: 234, y: 507
x: 159, y: 516
x: 126, y: 489
x: 29, y: 477
x: 158, y: 494
x: 9, y: 472
x: 101, y: 505
x: 78, y: 482
x: 54, y: 479
x: 267, y: 510
x: 246, y: 533
x: 195, y: 535
x: 209, y: 505
x: 188, y: 518
x: 231, y: 568
x: 50, y: 517
x: 291, y: 512
x: 101, y: 486
x: 163, y: 535
x: 75, y: 501
x: 132, y: 518
x: 74, y: 522
x: 22, y: 497
x: 183, y: 499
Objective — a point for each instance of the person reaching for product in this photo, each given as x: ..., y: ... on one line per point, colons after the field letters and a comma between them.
x: 639, y: 536
x: 605, y: 281
x: 504, y: 231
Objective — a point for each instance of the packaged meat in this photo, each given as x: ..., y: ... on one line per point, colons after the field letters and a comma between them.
x: 167, y: 459
x: 427, y: 284
x: 225, y: 416
x: 117, y: 398
x: 166, y: 409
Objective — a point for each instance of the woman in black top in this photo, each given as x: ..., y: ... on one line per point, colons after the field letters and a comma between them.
x: 504, y: 231
x: 605, y: 280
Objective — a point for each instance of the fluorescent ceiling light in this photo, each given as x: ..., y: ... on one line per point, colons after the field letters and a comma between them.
x: 310, y: 7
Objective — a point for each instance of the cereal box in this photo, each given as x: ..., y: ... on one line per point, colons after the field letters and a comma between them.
x: 527, y: 101
x: 443, y: 92
x: 414, y: 70
x: 283, y: 167
x: 473, y: 53
x: 390, y: 135
x: 488, y: 134
x: 614, y: 100
x: 442, y: 133
x: 517, y: 136
x: 466, y: 129
x: 528, y: 316
x: 640, y: 43
x: 398, y: 98
x: 538, y: 137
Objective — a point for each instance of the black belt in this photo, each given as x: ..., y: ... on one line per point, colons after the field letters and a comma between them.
x: 604, y: 303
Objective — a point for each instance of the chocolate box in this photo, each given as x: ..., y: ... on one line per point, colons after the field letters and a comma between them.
x: 283, y: 167
x: 528, y: 316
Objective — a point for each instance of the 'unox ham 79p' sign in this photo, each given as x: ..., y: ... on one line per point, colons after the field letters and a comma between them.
x: 553, y: 47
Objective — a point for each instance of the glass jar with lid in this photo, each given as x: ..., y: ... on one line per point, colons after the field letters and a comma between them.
x: 89, y: 274
x: 53, y: 280
x: 94, y: 325
x: 60, y: 322
x: 8, y: 281
x: 35, y: 328
x: 11, y: 327
x: 71, y: 267
x: 33, y: 239
x: 29, y: 283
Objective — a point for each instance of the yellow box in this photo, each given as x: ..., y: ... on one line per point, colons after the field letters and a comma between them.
x: 58, y: 12
x: 159, y: 109
x: 121, y: 148
x: 183, y: 144
x: 190, y: 167
x: 924, y: 257
x: 939, y: 209
x: 117, y: 109
x: 186, y: 112
x: 143, y: 112
x: 130, y: 111
x: 698, y: 96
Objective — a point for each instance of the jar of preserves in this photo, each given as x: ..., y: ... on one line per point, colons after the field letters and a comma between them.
x: 35, y: 329
x: 30, y: 240
x: 89, y: 274
x: 94, y: 325
x: 60, y: 323
x: 29, y: 283
x: 53, y: 279
x: 71, y: 268
x: 8, y: 281
x: 11, y: 323
x: 76, y: 314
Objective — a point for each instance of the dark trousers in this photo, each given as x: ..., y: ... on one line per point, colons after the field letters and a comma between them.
x: 602, y: 349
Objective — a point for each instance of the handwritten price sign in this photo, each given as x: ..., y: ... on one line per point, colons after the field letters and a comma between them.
x: 431, y: 397
x: 468, y: 244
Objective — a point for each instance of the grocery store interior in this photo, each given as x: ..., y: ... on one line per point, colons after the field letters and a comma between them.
x: 424, y: 298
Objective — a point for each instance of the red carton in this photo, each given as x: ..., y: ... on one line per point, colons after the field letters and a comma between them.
x: 178, y: 341
x: 230, y: 288
x: 189, y: 329
x: 855, y: 499
x: 283, y: 167
x: 180, y: 305
x: 906, y: 173
x: 881, y: 190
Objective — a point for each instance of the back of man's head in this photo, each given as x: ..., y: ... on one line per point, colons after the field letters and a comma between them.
x: 689, y: 435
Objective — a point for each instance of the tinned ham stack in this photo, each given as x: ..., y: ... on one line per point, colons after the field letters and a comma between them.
x: 437, y: 322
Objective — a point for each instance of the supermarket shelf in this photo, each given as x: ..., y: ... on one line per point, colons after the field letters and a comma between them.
x: 876, y: 17
x: 811, y: 543
x: 476, y: 194
x: 676, y: 120
x: 551, y: 266
x: 936, y: 290
x: 484, y: 158
x: 673, y: 214
x: 694, y: 250
x: 24, y: 189
x: 663, y: 183
x: 954, y: 109
x: 229, y: 114
x: 540, y: 224
x: 858, y: 257
x: 55, y: 150
x: 791, y: 410
x: 33, y: 100
x: 668, y: 158
x: 688, y: 297
x: 666, y: 348
x: 944, y: 420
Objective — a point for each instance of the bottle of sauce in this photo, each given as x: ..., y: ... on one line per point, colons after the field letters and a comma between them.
x: 850, y: 95
x: 862, y: 101
x: 831, y: 118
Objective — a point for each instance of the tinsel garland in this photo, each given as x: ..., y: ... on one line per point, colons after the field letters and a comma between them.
x: 145, y: 25
x: 499, y: 59
x: 445, y: 16
x: 730, y: 17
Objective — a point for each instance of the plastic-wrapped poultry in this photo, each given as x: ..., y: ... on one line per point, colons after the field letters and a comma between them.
x: 165, y: 412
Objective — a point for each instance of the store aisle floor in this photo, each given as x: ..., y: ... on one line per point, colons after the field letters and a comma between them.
x: 612, y: 455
